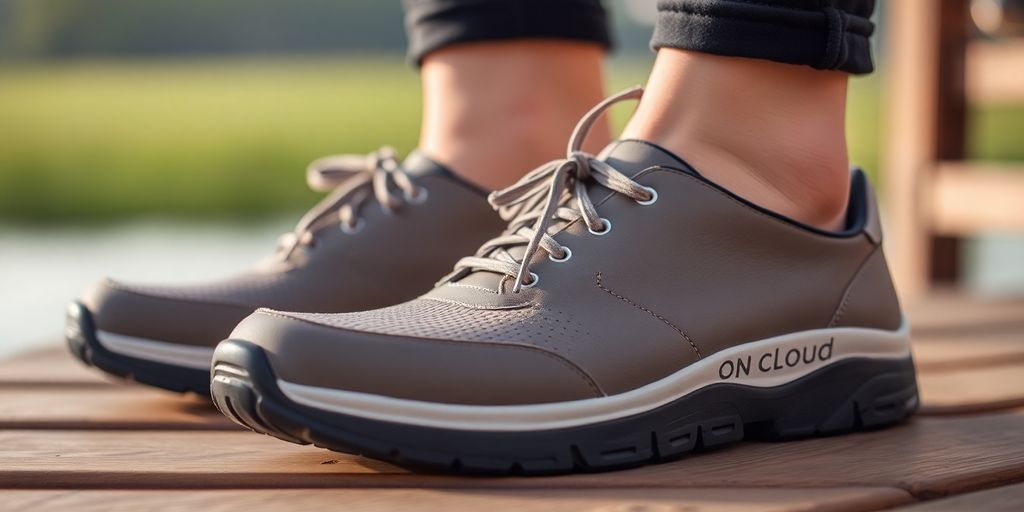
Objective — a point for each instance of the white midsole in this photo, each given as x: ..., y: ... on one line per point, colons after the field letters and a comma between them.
x: 198, y: 358
x: 744, y: 364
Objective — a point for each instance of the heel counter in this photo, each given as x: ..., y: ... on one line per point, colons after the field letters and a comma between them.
x: 864, y: 206
x: 870, y: 299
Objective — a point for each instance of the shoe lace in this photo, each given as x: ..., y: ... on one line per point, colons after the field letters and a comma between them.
x: 351, y: 180
x: 555, y: 191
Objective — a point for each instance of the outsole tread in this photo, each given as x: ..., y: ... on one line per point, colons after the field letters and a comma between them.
x: 80, y: 336
x: 285, y: 420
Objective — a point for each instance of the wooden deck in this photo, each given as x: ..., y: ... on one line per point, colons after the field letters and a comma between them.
x: 74, y: 441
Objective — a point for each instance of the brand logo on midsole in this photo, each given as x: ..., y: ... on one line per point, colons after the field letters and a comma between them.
x: 775, y: 360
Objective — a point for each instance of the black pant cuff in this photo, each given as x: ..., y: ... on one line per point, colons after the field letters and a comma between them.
x: 435, y: 24
x: 832, y: 37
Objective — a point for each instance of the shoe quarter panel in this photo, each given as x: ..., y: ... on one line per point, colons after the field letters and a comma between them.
x: 398, y: 255
x: 737, y: 274
x: 692, y: 274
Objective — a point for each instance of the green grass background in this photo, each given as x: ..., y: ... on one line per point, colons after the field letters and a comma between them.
x: 97, y: 141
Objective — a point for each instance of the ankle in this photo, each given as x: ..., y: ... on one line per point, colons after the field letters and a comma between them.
x: 771, y: 133
x: 493, y: 111
x: 495, y: 148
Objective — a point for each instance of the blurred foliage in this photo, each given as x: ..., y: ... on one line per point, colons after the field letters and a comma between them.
x: 95, y: 127
x: 43, y: 29
x: 997, y: 133
x: 89, y: 141
x: 67, y: 28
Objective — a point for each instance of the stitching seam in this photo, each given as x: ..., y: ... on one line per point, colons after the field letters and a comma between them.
x: 444, y: 300
x: 849, y: 290
x: 600, y: 284
x: 472, y: 287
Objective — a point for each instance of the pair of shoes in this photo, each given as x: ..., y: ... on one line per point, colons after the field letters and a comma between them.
x: 632, y: 311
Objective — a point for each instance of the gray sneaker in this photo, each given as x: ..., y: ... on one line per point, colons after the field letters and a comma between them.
x: 633, y: 311
x: 382, y: 236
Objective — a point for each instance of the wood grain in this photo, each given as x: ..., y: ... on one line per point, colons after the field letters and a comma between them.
x: 1001, y: 499
x: 169, y: 459
x: 934, y: 353
x: 49, y: 366
x: 966, y: 368
x: 972, y: 388
x: 928, y: 457
x: 952, y: 313
x: 109, y: 407
x: 456, y: 500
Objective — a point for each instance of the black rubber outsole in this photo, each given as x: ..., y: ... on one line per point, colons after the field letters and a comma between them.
x: 846, y: 396
x: 80, y: 334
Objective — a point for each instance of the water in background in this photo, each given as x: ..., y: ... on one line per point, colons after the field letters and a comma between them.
x: 42, y: 269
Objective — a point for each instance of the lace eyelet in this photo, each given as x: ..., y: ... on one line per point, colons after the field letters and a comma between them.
x: 652, y: 200
x: 607, y: 227
x: 351, y: 230
x: 563, y: 259
x: 534, y: 279
x: 419, y: 197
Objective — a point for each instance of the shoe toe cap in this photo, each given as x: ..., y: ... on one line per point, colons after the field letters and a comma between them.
x: 123, y: 309
x: 435, y: 370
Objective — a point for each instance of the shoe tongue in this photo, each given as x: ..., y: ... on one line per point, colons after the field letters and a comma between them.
x: 630, y: 157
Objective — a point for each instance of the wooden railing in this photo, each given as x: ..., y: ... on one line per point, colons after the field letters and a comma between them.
x: 933, y: 196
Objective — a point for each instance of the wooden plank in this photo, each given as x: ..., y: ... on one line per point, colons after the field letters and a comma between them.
x: 971, y: 359
x: 936, y: 354
x: 971, y: 197
x: 972, y: 390
x: 110, y: 407
x: 950, y: 312
x: 170, y: 459
x: 928, y: 457
x: 1000, y: 499
x: 969, y: 354
x: 994, y: 71
x: 49, y: 365
x: 554, y: 500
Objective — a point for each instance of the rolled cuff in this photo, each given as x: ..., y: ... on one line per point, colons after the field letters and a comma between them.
x: 830, y: 35
x: 434, y: 24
